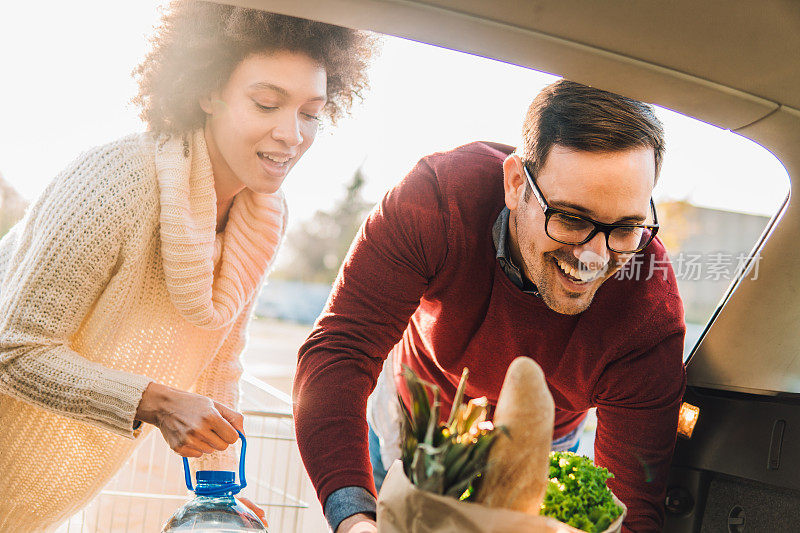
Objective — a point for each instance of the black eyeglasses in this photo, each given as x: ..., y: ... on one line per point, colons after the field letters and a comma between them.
x: 568, y: 228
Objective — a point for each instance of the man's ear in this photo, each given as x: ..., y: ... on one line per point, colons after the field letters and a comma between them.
x: 514, y: 181
x: 206, y: 103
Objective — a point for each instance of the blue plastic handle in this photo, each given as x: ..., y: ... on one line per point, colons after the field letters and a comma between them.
x: 242, y: 481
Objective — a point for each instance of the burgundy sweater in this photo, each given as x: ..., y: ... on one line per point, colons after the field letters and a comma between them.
x: 422, y: 278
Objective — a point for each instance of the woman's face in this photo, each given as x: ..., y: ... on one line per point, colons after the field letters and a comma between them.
x: 264, y: 119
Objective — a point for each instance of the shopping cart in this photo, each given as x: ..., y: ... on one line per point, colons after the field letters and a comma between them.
x: 149, y: 488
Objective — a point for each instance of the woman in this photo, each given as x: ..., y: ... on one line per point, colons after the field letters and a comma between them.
x: 131, y: 279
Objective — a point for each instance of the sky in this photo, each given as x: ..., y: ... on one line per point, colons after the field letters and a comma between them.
x: 66, y: 87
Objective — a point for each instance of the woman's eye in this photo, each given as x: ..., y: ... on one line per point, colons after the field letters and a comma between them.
x: 311, y: 116
x: 265, y: 107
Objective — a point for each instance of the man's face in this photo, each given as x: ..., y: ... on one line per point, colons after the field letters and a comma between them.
x: 609, y: 187
x: 264, y: 119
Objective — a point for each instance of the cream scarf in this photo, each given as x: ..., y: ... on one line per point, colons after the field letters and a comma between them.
x: 190, y: 245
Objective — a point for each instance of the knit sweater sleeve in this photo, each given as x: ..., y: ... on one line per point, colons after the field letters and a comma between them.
x: 638, y: 400
x: 398, y: 250
x: 62, y: 256
x: 220, y: 382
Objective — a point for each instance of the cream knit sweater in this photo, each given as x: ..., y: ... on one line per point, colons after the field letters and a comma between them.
x: 114, y: 278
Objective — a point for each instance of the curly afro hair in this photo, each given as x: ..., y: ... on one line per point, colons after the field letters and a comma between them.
x: 199, y: 44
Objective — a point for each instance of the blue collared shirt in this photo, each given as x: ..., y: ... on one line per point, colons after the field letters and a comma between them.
x: 500, y: 237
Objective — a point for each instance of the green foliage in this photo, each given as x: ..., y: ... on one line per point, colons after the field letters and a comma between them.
x: 444, y: 458
x: 315, y: 250
x: 577, y: 493
x: 12, y: 206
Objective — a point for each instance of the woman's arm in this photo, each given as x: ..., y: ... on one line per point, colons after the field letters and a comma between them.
x: 60, y: 260
x: 63, y: 254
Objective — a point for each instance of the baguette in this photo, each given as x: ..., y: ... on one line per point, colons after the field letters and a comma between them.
x: 518, y: 463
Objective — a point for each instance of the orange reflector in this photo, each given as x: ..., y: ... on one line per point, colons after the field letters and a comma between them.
x: 687, y: 419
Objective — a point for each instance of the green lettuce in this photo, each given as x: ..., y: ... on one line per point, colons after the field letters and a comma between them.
x: 577, y: 493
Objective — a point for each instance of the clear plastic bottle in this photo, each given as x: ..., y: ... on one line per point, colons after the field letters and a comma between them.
x: 214, y: 508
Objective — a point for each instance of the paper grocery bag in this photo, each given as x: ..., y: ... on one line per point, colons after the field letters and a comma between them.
x: 403, y: 508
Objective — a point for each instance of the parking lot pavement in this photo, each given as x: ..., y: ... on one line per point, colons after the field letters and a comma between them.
x: 271, y: 352
x: 271, y: 356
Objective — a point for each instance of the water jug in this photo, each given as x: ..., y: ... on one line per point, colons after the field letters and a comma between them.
x: 214, y: 509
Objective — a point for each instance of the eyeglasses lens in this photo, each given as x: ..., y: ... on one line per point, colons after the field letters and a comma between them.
x: 573, y: 230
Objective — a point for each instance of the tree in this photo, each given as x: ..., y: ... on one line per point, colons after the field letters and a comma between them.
x: 12, y: 206
x: 677, y: 223
x: 315, y: 250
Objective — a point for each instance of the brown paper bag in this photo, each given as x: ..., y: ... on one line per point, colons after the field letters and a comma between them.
x: 403, y: 508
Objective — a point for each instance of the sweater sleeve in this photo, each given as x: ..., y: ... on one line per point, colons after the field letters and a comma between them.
x: 398, y: 249
x: 637, y: 401
x: 62, y: 256
x: 220, y: 382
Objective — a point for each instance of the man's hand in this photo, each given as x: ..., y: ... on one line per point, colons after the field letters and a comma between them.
x: 358, y: 523
x: 256, y: 509
x: 191, y: 424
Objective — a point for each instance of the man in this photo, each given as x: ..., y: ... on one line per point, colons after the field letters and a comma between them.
x: 482, y: 254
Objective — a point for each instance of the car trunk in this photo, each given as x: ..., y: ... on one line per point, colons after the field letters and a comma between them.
x: 735, y: 65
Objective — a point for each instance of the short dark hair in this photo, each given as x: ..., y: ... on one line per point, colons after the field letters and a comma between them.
x: 582, y: 117
x: 199, y: 44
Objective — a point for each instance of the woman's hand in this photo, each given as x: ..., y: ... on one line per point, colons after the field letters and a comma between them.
x: 256, y: 509
x: 191, y: 424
